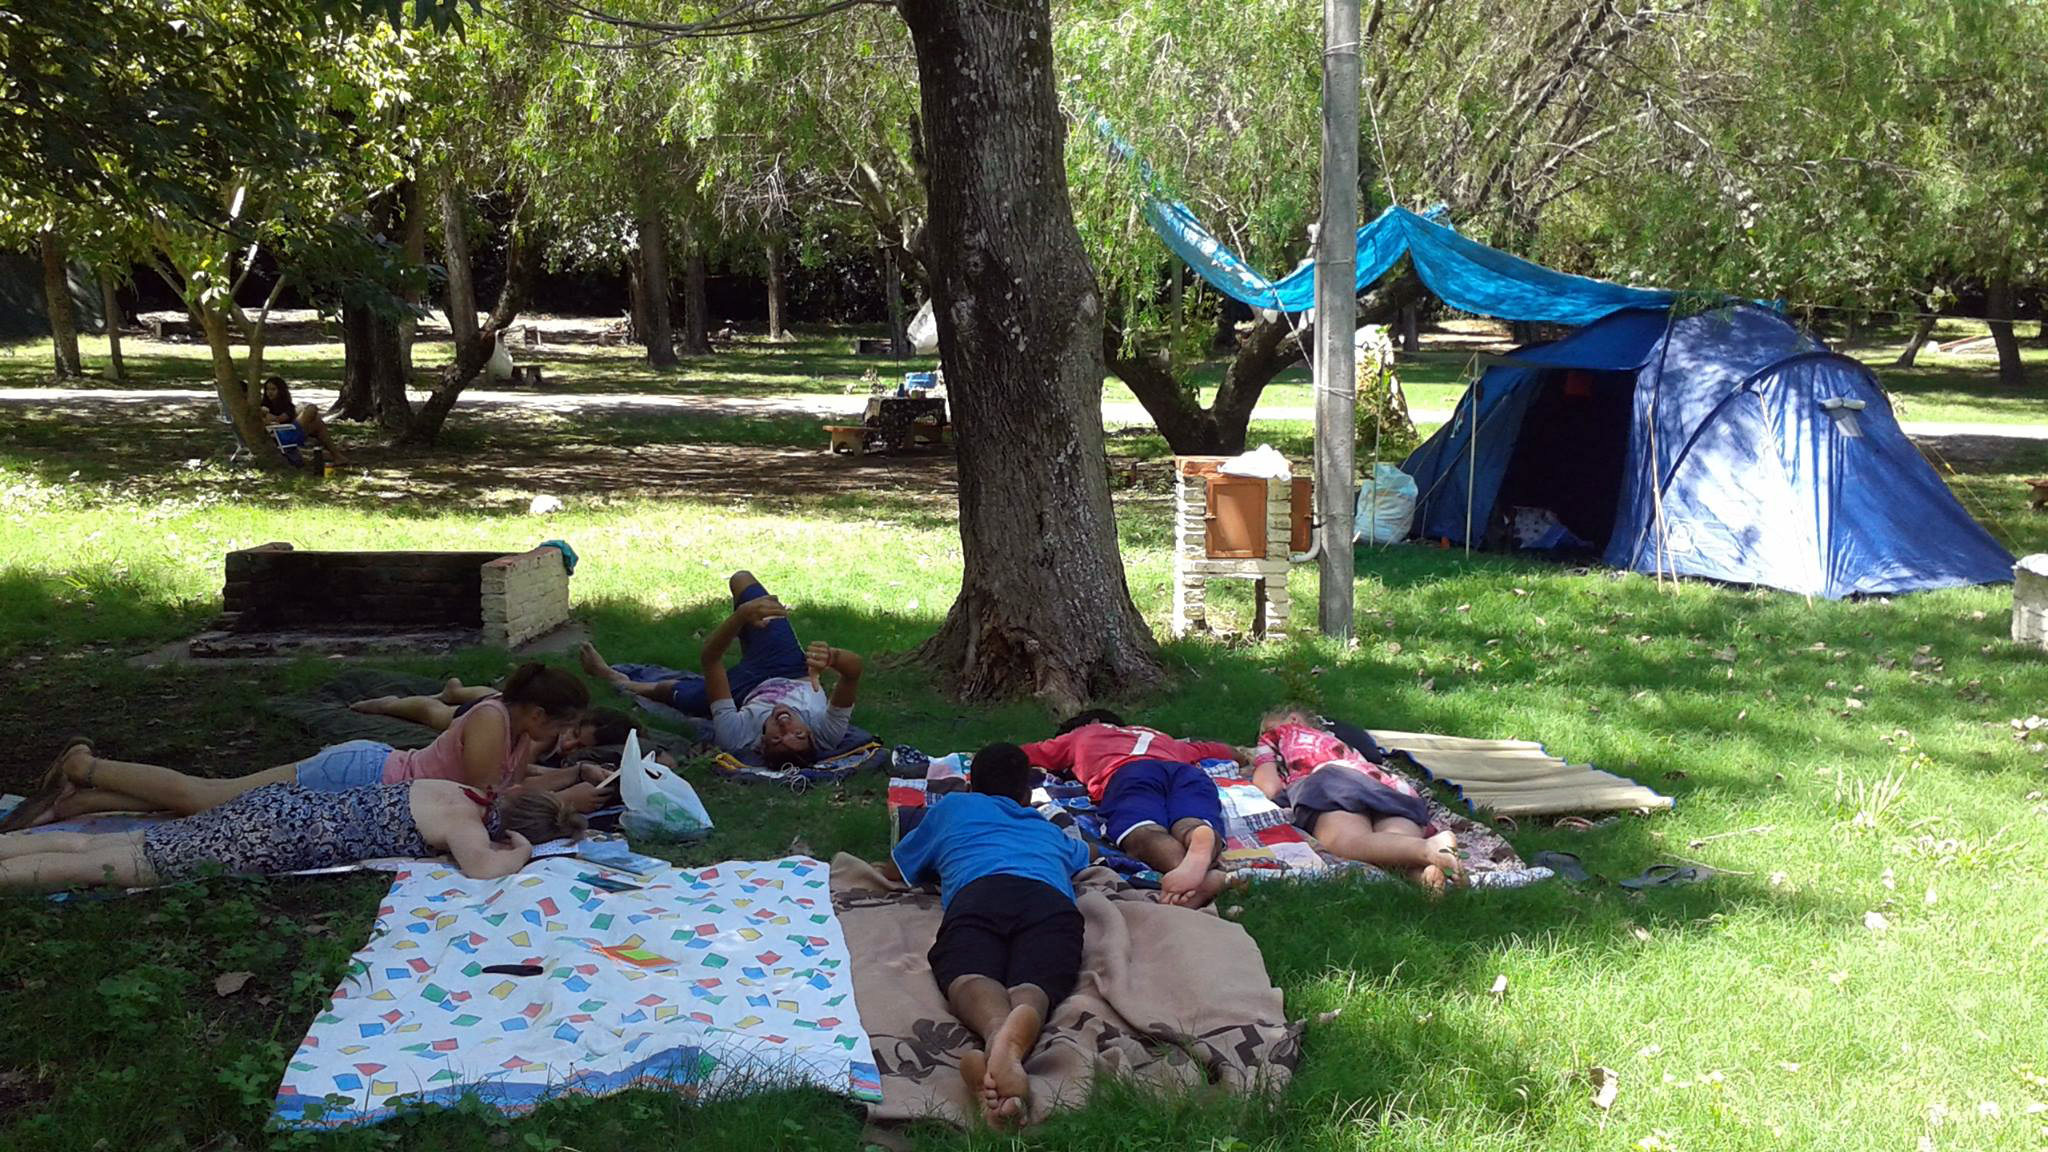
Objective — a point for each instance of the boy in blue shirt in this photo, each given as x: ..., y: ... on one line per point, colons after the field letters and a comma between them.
x: 1009, y: 948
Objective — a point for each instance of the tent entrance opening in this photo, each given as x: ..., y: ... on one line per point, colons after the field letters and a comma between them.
x: 1563, y: 480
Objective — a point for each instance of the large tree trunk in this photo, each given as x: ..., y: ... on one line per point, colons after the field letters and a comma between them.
x: 522, y: 260
x: 110, y: 301
x: 237, y: 399
x: 357, y: 400
x: 1043, y: 607
x: 1998, y: 307
x: 1922, y: 329
x: 461, y: 301
x: 57, y: 302
x: 778, y: 290
x: 696, y: 310
x: 413, y: 242
x: 1264, y: 352
x: 373, y: 368
x: 655, y: 329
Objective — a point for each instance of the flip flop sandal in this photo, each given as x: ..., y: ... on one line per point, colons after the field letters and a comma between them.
x: 1666, y: 876
x: 30, y: 809
x: 1567, y: 866
x: 1575, y: 823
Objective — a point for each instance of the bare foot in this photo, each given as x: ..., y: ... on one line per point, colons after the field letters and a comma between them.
x: 1441, y: 851
x: 374, y: 706
x: 1212, y: 885
x: 974, y: 1075
x: 1180, y: 885
x: 1006, y: 1053
x: 1430, y: 879
x: 586, y: 654
x: 449, y: 688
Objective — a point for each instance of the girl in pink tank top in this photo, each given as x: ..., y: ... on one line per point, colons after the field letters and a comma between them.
x: 527, y: 715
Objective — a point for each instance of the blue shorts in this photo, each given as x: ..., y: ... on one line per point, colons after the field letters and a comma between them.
x: 340, y: 767
x: 1160, y: 793
x: 766, y: 653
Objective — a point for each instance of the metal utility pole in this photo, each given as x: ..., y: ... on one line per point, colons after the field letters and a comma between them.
x: 1336, y: 378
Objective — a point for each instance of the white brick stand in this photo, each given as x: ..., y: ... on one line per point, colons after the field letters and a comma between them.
x: 1193, y: 567
x: 2030, y: 601
x: 525, y: 596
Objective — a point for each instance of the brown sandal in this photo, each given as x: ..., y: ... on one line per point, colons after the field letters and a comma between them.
x: 29, y: 811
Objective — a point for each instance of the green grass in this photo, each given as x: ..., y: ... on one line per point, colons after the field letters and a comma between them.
x: 1756, y: 1010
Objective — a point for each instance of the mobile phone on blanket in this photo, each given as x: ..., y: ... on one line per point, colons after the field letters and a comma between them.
x: 608, y: 883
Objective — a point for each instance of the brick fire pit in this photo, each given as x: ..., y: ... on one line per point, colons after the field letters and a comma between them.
x: 280, y: 601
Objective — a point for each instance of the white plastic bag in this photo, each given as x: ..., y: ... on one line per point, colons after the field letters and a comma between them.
x: 924, y: 331
x: 1262, y: 462
x: 660, y: 804
x: 499, y: 366
x: 1386, y: 505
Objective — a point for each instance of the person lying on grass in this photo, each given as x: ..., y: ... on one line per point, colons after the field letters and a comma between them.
x: 489, y: 747
x: 1156, y: 804
x: 596, y: 728
x: 1353, y: 807
x: 281, y: 828
x: 771, y: 703
x: 1009, y: 947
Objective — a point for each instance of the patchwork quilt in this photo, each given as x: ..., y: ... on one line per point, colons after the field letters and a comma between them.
x: 539, y: 984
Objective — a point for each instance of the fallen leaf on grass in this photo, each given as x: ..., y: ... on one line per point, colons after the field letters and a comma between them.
x: 1500, y: 986
x: 1606, y: 1084
x: 1876, y: 922
x: 1727, y: 655
x: 229, y: 983
x: 1639, y: 932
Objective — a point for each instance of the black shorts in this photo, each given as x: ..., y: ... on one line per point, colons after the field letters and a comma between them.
x: 1014, y: 931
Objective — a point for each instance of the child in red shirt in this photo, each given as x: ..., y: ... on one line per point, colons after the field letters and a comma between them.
x: 1156, y: 804
x: 1353, y: 807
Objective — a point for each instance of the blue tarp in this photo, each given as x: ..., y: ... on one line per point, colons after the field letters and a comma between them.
x: 1743, y: 460
x: 1463, y: 273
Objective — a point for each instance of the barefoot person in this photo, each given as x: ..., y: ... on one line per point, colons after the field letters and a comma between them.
x: 302, y: 420
x: 596, y: 728
x: 772, y: 702
x: 490, y: 747
x: 1156, y: 804
x: 1009, y: 947
x: 283, y: 828
x: 1353, y: 807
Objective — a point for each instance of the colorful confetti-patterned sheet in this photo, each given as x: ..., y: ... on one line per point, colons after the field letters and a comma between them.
x: 719, y: 979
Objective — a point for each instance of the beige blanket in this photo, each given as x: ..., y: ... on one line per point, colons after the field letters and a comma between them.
x: 1169, y: 998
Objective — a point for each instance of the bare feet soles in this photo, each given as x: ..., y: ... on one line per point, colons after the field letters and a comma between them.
x: 1193, y: 882
x: 974, y: 1074
x: 1441, y: 866
x: 594, y: 664
x: 1006, y: 1092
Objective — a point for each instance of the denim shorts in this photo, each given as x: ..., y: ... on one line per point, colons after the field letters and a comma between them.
x: 340, y: 767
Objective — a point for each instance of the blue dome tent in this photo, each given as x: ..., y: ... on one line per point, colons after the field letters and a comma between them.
x: 1725, y: 444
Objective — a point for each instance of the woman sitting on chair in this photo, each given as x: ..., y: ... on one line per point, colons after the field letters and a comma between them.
x: 303, y: 421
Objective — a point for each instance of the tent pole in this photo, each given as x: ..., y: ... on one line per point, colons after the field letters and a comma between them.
x: 1472, y: 459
